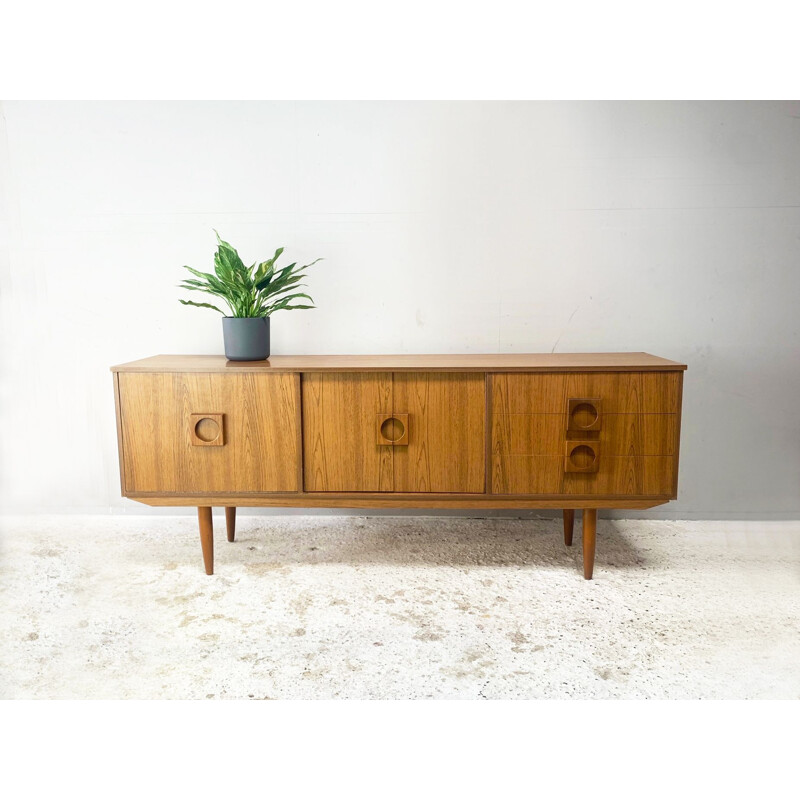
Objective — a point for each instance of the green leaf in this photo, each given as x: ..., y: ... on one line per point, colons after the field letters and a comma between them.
x: 263, y: 273
x: 270, y: 275
x: 228, y: 266
x: 285, y: 303
x: 276, y: 288
x: 199, y: 305
x: 199, y: 274
x: 296, y: 295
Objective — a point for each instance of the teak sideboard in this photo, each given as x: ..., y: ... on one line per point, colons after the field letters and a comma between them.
x: 568, y: 431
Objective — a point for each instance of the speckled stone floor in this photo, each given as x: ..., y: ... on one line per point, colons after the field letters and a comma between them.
x: 354, y: 607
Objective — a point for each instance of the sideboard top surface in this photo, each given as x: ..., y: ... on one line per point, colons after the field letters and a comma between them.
x: 472, y: 362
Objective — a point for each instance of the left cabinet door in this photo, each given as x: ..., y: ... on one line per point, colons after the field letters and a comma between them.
x: 189, y: 433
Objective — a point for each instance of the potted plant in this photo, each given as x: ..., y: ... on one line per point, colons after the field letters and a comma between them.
x: 252, y: 294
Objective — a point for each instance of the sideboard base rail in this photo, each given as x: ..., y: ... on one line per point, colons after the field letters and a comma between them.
x: 335, y: 500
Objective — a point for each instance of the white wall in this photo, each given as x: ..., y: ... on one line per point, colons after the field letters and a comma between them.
x: 446, y: 227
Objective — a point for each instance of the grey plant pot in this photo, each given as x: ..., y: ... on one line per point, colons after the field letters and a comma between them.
x: 246, y: 338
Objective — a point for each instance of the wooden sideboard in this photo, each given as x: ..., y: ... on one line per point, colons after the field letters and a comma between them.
x: 568, y: 431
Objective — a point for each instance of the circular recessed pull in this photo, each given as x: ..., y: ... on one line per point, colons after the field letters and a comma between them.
x: 206, y: 429
x: 393, y: 429
x: 582, y: 457
x: 584, y: 415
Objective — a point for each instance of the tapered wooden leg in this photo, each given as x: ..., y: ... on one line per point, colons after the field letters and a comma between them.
x: 569, y: 522
x: 230, y: 522
x: 589, y: 536
x: 206, y: 537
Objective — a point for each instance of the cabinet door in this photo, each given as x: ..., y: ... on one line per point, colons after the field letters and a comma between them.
x: 441, y: 447
x: 446, y: 432
x: 190, y: 433
x: 340, y: 414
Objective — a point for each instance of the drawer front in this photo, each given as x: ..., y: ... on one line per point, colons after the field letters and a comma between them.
x: 585, y: 434
x: 190, y: 433
x: 619, y: 392
x: 618, y: 434
x: 616, y: 476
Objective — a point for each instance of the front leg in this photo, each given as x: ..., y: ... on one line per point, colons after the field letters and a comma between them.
x: 589, y: 536
x: 206, y: 537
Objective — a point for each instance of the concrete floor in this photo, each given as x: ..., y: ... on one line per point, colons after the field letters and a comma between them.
x: 354, y: 607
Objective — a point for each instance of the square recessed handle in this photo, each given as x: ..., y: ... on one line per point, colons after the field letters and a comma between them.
x: 583, y: 413
x: 207, y: 430
x: 393, y: 429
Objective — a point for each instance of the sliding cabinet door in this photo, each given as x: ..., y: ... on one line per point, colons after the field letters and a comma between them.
x: 446, y: 432
x: 340, y: 418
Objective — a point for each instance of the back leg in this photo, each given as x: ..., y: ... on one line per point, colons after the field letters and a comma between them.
x: 569, y: 522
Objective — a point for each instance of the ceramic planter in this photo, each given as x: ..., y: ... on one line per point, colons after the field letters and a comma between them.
x: 246, y: 338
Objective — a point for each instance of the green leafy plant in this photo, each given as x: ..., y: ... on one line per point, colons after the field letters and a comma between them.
x: 255, y: 291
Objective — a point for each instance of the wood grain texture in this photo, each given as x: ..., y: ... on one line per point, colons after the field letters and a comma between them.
x: 397, y: 500
x: 618, y: 476
x: 531, y: 475
x: 260, y: 432
x: 339, y: 417
x: 621, y: 434
x: 620, y: 393
x: 624, y: 475
x: 472, y: 362
x: 487, y: 449
x: 298, y: 387
x: 447, y: 432
x: 636, y: 441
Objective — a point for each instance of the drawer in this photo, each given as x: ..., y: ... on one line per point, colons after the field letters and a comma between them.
x: 624, y: 427
x: 618, y: 392
x: 616, y: 476
x: 617, y: 434
x: 189, y: 433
